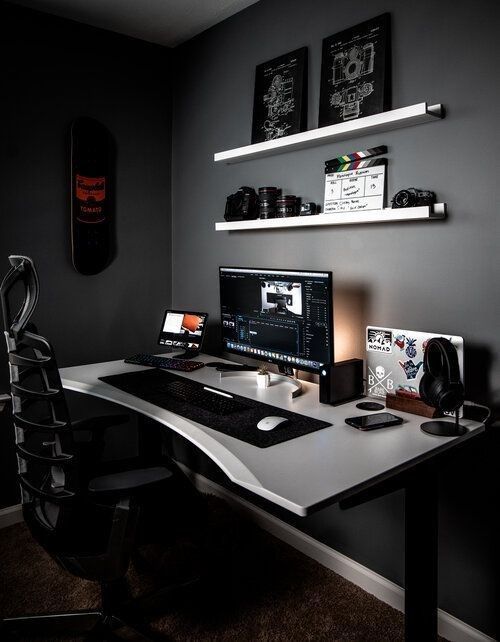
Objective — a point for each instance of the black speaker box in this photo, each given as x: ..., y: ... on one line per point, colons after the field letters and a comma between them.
x: 341, y: 382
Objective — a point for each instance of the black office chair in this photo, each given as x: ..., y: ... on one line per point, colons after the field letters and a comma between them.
x: 86, y: 523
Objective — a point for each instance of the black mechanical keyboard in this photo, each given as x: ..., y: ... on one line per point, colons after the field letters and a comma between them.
x: 203, y: 397
x: 164, y: 362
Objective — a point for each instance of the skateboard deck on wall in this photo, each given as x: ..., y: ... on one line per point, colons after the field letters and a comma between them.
x: 91, y: 198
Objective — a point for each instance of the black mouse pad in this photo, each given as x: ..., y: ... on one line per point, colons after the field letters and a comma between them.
x: 150, y: 385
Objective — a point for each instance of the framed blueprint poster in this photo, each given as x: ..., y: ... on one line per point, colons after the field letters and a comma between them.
x: 280, y: 98
x: 355, y: 72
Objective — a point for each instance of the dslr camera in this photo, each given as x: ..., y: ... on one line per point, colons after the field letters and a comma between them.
x: 242, y: 206
x: 413, y: 197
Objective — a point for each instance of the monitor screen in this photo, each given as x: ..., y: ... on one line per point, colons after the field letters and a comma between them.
x: 183, y: 329
x: 282, y: 316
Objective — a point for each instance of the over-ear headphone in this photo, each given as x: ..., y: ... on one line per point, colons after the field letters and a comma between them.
x: 440, y: 386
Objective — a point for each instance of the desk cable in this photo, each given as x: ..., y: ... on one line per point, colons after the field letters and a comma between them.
x: 471, y: 404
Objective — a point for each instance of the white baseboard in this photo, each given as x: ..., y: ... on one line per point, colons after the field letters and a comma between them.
x: 11, y: 515
x: 449, y: 626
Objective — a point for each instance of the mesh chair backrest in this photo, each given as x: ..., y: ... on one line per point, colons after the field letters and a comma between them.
x: 47, y: 470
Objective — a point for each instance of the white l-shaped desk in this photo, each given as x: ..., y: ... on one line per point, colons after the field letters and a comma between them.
x: 334, y: 464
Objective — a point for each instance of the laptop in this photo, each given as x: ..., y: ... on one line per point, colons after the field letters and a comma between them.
x: 395, y: 359
x: 181, y: 329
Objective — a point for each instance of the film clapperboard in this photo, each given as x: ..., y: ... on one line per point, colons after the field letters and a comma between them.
x: 355, y: 182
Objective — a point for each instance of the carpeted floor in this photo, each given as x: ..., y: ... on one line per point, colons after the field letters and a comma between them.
x: 259, y: 588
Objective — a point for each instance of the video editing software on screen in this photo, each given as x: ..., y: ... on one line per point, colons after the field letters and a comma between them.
x: 283, y: 316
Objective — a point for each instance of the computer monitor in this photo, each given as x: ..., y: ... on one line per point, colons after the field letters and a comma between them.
x: 182, y: 329
x: 280, y: 316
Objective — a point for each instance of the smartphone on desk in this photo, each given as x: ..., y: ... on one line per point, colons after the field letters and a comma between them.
x: 371, y: 422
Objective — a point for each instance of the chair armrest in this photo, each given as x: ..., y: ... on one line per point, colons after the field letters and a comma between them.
x: 4, y: 401
x: 87, y: 427
x: 129, y: 481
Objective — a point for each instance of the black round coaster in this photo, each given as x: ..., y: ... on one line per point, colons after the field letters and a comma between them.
x: 370, y: 405
x: 443, y: 428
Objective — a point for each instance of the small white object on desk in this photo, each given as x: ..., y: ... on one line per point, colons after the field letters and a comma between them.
x: 263, y: 379
x: 270, y: 423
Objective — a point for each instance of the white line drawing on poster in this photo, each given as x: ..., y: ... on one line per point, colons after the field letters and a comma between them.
x: 350, y: 99
x: 279, y: 98
x: 353, y: 63
x: 350, y: 65
x: 279, y: 102
x: 274, y: 130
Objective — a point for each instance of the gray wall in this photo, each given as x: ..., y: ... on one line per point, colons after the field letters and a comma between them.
x: 439, y: 276
x: 54, y: 70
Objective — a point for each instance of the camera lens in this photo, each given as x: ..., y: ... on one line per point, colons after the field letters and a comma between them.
x: 267, y: 201
x: 404, y: 198
x: 286, y: 206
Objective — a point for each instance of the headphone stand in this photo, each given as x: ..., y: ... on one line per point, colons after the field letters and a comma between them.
x: 444, y: 428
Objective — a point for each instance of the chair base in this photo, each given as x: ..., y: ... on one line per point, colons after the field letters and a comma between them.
x: 118, y: 612
x: 91, y: 625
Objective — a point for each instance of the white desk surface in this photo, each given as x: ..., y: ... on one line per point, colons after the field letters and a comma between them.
x: 326, y: 465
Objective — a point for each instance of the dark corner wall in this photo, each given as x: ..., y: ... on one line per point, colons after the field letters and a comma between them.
x: 440, y: 276
x: 54, y: 70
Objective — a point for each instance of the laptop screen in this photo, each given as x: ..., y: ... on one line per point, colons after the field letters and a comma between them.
x: 183, y: 329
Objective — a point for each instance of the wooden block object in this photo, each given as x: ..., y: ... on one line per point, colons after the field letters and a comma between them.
x: 409, y: 404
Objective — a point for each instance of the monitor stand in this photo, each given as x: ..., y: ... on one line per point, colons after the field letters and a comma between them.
x: 188, y: 354
x: 286, y: 370
x: 274, y: 377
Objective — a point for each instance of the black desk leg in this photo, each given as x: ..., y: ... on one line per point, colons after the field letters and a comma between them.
x: 421, y: 543
x: 149, y: 441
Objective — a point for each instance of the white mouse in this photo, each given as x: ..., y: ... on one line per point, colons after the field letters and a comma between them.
x: 269, y: 423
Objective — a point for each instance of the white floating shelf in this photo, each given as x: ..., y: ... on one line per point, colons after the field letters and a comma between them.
x: 387, y: 215
x: 383, y: 122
